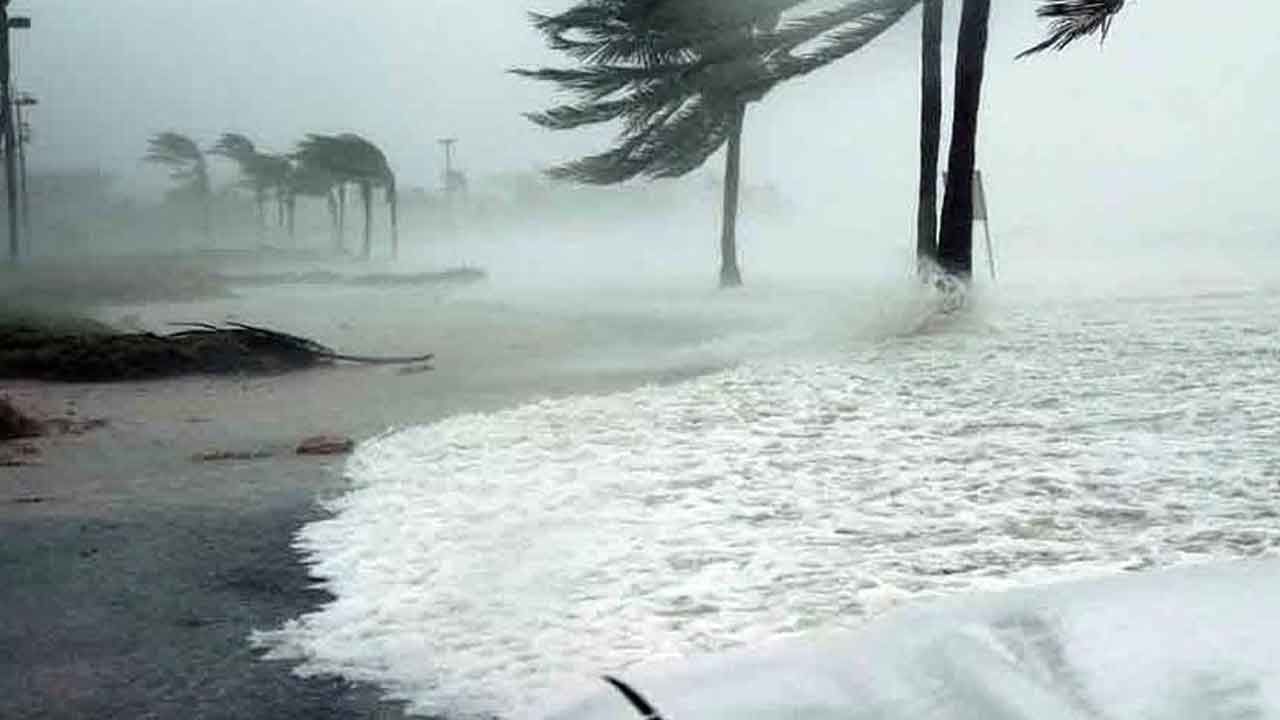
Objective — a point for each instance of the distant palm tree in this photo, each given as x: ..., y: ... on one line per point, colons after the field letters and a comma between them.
x: 255, y: 168
x: 305, y: 179
x: 349, y: 158
x: 187, y: 165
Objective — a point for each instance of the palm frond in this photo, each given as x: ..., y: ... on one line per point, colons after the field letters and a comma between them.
x: 1072, y: 20
x: 183, y: 157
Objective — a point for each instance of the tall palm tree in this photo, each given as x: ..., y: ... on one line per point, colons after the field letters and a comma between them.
x: 1070, y: 20
x: 350, y: 158
x: 955, y: 243
x: 679, y: 76
x: 187, y: 166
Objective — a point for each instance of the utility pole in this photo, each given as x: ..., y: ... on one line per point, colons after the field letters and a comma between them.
x: 24, y: 138
x: 6, y: 119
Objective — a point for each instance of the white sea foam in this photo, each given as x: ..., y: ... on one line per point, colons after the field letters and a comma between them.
x: 482, y: 562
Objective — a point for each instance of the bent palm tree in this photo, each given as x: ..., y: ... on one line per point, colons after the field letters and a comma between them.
x: 352, y: 159
x: 679, y: 77
x: 187, y: 165
x: 255, y: 168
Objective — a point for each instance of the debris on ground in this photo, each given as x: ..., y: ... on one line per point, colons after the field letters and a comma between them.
x: 326, y: 445
x: 15, y: 424
x: 231, y: 455
x: 19, y: 455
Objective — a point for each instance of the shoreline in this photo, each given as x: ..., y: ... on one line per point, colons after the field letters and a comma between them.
x: 135, y: 575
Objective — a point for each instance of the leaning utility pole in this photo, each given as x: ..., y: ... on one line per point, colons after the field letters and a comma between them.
x: 6, y: 119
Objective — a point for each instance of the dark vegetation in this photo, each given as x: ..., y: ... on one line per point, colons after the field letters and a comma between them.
x: 35, y: 352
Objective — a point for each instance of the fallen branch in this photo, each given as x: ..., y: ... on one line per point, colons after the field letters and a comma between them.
x: 202, y: 348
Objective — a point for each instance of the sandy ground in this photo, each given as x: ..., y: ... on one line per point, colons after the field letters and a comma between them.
x: 131, y: 576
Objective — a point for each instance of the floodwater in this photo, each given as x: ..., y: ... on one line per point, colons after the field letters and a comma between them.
x: 862, y: 452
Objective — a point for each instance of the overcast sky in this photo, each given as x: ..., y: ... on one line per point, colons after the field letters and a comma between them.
x: 1175, y: 115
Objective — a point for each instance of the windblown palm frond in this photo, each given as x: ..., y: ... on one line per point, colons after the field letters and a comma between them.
x: 347, y: 157
x: 1072, y: 20
x: 260, y: 172
x: 183, y: 157
x: 675, y: 73
x: 234, y: 146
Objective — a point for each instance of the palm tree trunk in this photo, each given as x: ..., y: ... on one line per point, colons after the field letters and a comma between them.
x: 342, y: 217
x: 331, y: 199
x: 366, y: 197
x: 393, y: 200
x: 730, y: 275
x: 930, y: 131
x: 955, y: 246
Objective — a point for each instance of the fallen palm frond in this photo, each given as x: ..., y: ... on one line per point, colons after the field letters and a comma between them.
x: 202, y: 348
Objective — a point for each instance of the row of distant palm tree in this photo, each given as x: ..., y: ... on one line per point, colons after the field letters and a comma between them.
x: 321, y: 166
x: 679, y: 76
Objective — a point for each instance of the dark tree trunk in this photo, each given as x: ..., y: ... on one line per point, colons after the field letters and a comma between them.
x: 366, y: 197
x: 342, y: 216
x: 281, y: 202
x: 955, y: 246
x: 290, y: 212
x: 730, y: 275
x: 393, y: 201
x: 331, y: 199
x: 930, y: 131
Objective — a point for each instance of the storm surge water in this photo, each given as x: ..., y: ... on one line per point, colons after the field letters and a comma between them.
x: 874, y: 455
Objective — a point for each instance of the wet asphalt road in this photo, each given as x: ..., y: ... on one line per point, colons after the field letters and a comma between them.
x: 145, y: 614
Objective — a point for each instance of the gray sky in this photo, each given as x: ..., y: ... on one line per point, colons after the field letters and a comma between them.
x: 1174, y: 116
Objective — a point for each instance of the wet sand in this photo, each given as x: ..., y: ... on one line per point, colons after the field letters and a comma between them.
x: 133, y: 576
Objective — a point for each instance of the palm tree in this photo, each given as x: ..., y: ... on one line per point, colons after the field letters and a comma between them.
x: 352, y: 159
x: 187, y: 166
x: 305, y: 179
x: 955, y: 243
x: 256, y: 168
x: 1070, y: 20
x: 679, y: 77
x: 930, y: 131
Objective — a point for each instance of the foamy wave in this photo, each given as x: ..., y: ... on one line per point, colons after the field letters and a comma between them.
x: 482, y: 561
